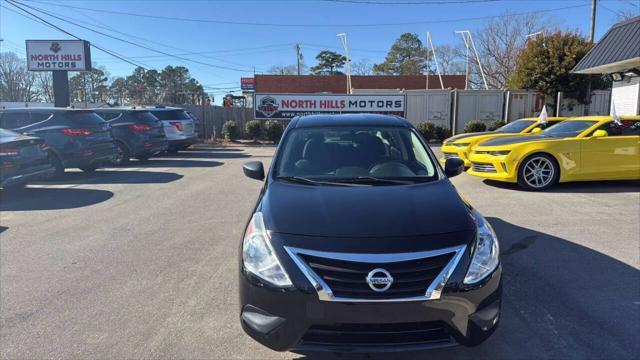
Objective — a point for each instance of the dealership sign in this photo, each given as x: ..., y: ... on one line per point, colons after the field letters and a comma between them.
x: 50, y: 55
x: 247, y: 84
x: 287, y: 106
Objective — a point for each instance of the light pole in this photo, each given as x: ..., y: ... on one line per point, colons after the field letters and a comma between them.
x: 345, y: 44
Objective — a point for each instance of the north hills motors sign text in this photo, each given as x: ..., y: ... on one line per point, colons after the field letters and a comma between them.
x: 286, y: 106
x: 51, y: 55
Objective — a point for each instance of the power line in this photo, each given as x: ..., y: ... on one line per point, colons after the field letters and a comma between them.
x: 432, y: 2
x: 187, y: 52
x: 243, y: 23
x: 43, y: 21
x: 133, y: 43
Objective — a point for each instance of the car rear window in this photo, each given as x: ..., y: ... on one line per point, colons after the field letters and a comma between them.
x: 84, y: 117
x: 144, y: 116
x: 171, y: 114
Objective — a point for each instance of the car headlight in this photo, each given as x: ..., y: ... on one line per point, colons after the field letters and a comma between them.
x: 486, y: 255
x: 461, y: 144
x: 499, y: 152
x: 258, y: 256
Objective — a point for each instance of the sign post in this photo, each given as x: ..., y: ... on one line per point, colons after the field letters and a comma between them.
x: 59, y: 57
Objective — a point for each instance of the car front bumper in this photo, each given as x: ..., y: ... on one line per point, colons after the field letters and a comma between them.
x: 456, y: 152
x: 295, y: 319
x: 499, y: 168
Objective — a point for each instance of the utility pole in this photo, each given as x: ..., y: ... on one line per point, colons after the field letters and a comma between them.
x: 593, y: 21
x: 345, y: 44
x: 298, y: 57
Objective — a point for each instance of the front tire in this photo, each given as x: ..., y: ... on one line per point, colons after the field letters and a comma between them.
x: 123, y: 155
x: 538, y: 172
x: 89, y: 168
x: 55, y: 161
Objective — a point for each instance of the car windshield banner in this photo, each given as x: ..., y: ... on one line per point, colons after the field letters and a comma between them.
x: 287, y: 106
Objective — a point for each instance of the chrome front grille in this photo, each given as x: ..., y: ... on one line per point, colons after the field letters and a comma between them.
x: 343, y: 276
x: 451, y: 156
x: 485, y: 168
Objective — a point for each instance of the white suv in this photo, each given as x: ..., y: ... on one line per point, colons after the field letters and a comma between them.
x: 178, y: 127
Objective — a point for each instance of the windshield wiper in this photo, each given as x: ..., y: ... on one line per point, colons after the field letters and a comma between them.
x: 307, y: 181
x: 371, y: 180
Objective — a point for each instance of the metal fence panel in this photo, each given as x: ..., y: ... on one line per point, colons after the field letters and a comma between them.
x: 432, y: 106
x: 484, y: 105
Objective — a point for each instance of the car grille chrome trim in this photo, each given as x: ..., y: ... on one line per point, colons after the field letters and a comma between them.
x: 433, y: 291
x: 486, y: 168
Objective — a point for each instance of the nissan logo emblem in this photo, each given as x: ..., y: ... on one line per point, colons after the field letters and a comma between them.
x: 379, y: 280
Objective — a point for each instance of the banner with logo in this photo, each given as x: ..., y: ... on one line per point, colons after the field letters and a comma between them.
x: 287, y: 106
x: 50, y: 55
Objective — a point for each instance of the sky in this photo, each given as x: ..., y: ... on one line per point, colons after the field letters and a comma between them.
x: 226, y: 39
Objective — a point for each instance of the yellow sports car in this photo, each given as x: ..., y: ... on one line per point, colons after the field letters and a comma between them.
x: 579, y: 149
x: 459, y: 146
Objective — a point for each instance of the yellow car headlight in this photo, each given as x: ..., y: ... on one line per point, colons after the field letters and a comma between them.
x: 499, y: 152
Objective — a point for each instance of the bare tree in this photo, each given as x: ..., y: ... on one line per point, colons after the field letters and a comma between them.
x: 362, y: 67
x: 500, y: 42
x: 283, y: 70
x: 44, y: 84
x: 450, y: 59
x: 16, y: 83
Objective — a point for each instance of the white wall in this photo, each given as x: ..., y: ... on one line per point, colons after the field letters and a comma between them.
x: 625, y: 95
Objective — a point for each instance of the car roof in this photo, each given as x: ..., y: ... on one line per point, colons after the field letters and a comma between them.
x: 349, y: 120
x: 601, y: 118
x: 114, y: 110
x: 551, y: 118
x: 47, y: 109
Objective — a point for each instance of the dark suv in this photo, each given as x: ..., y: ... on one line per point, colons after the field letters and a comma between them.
x: 137, y: 133
x: 75, y: 138
x: 359, y: 242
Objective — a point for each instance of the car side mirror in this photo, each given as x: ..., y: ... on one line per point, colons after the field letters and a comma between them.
x: 453, y: 167
x: 599, y: 134
x: 536, y: 131
x: 254, y: 170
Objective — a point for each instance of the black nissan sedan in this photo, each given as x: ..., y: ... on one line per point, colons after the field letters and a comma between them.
x: 359, y: 242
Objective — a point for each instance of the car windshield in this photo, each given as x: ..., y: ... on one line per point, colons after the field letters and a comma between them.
x: 515, y: 127
x: 568, y: 128
x: 7, y: 133
x: 343, y: 154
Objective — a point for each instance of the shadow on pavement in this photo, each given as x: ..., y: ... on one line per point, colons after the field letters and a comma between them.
x: 560, y: 301
x: 587, y: 187
x: 214, y: 148
x: 176, y: 163
x: 51, y: 199
x: 117, y: 177
x: 2, y: 229
x: 212, y: 154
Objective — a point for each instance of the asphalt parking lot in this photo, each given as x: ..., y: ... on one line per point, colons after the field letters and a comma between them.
x: 141, y: 262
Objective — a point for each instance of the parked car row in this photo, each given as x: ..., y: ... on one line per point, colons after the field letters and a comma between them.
x: 567, y: 149
x: 42, y: 142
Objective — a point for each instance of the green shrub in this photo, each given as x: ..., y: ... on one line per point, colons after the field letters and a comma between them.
x: 253, y: 129
x: 427, y: 130
x: 496, y: 125
x: 442, y: 132
x: 273, y: 130
x: 474, y: 126
x: 230, y: 130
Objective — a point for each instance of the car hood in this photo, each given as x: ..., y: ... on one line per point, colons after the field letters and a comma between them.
x: 364, y: 211
x: 512, y: 140
x: 464, y: 136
